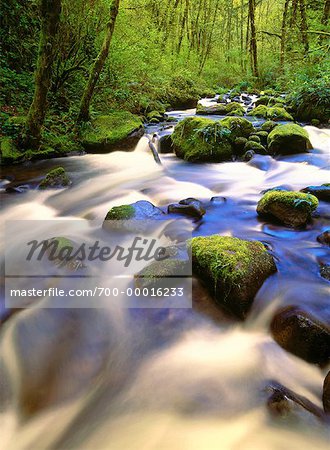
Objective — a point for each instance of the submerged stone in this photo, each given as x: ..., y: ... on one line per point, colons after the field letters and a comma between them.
x: 233, y: 269
x: 198, y: 139
x: 288, y: 139
x: 156, y: 274
x: 189, y: 207
x: 298, y: 332
x: 55, y: 178
x: 324, y: 238
x: 291, y: 208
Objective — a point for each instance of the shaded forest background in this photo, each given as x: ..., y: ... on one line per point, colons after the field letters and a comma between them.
x: 162, y: 53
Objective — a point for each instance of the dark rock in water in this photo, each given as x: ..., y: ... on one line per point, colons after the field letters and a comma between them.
x: 321, y: 192
x: 248, y: 155
x: 324, y: 238
x: 166, y: 144
x: 133, y: 217
x: 298, y: 332
x: 261, y: 162
x: 326, y: 394
x: 188, y: 207
x: 17, y: 188
x: 236, y: 99
x: 325, y: 271
x: 233, y: 269
x: 246, y: 97
x: 156, y: 274
x: 284, y: 402
x: 288, y: 139
x: 55, y: 178
x: 218, y: 199
x: 293, y: 209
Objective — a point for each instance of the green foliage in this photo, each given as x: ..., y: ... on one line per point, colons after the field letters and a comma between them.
x: 311, y: 100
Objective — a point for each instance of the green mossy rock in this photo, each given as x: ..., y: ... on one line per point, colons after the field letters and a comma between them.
x: 259, y: 111
x: 119, y: 130
x: 269, y: 125
x: 217, y: 108
x: 256, y: 147
x: 315, y: 122
x: 254, y: 138
x: 264, y: 100
x: 276, y: 101
x: 275, y: 113
x: 239, y: 144
x: 234, y: 106
x: 233, y: 269
x: 9, y: 152
x: 288, y: 139
x: 155, y: 117
x: 236, y: 112
x: 56, y: 178
x: 238, y: 126
x: 293, y: 209
x: 263, y: 135
x: 197, y: 139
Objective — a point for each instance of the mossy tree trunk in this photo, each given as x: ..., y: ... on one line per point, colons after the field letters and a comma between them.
x: 253, y: 39
x: 50, y: 11
x: 98, y: 65
x: 283, y: 34
x: 303, y: 26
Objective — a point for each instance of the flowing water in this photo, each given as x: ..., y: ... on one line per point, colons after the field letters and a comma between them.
x: 166, y: 379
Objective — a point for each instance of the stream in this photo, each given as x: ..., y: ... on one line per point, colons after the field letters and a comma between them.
x: 175, y: 378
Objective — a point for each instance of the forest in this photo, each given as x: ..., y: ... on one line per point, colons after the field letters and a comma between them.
x: 165, y: 235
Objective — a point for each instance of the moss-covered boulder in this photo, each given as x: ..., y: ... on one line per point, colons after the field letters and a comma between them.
x: 263, y: 135
x: 273, y: 101
x: 288, y: 139
x: 291, y: 208
x: 256, y: 147
x: 120, y: 130
x: 259, y: 111
x: 269, y: 126
x: 278, y: 113
x: 264, y: 100
x: 254, y: 138
x: 197, y: 139
x: 8, y: 151
x: 216, y: 108
x: 326, y: 394
x: 234, y: 106
x: 239, y: 127
x: 321, y: 192
x: 155, y: 117
x: 233, y: 269
x: 132, y: 217
x: 302, y: 334
x: 56, y: 178
x: 239, y: 144
x: 236, y: 113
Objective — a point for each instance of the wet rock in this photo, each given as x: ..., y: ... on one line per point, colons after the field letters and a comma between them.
x: 325, y: 271
x: 166, y: 144
x: 278, y: 113
x: 256, y: 147
x: 269, y: 126
x: 156, y: 274
x: 17, y: 188
x: 259, y: 111
x: 238, y: 127
x: 254, y: 138
x: 264, y: 100
x: 239, y: 144
x: 189, y: 207
x: 236, y: 99
x: 326, y: 394
x: 283, y: 403
x: 198, y: 139
x: 56, y: 178
x: 293, y: 209
x: 132, y: 217
x: 246, y: 97
x: 233, y: 269
x: 298, y: 332
x: 234, y: 106
x: 248, y: 155
x: 263, y: 135
x: 288, y: 139
x: 324, y: 238
x: 155, y: 117
x: 321, y: 192
x: 218, y: 109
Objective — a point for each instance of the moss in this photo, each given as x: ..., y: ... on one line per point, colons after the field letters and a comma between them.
x: 254, y: 138
x: 315, y: 122
x: 234, y: 94
x: 9, y: 152
x: 55, y: 178
x: 276, y: 113
x: 123, y: 212
x: 236, y: 112
x: 264, y: 100
x: 107, y: 132
x: 239, y: 144
x: 256, y: 147
x: 18, y: 120
x: 291, y: 199
x: 276, y: 101
x: 259, y: 111
x: 198, y: 139
x: 239, y: 127
x: 217, y: 108
x: 287, y: 139
x: 155, y: 116
x: 234, y: 106
x: 269, y: 125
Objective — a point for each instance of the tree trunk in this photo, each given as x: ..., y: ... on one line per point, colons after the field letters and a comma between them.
x: 98, y: 65
x: 326, y: 13
x: 253, y: 39
x: 50, y: 11
x: 283, y: 34
x: 303, y: 26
